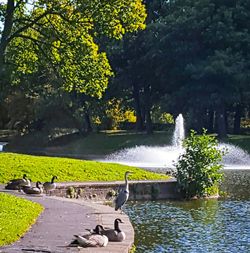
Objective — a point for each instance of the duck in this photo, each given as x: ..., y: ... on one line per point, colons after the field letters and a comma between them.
x: 49, y: 186
x: 123, y: 194
x: 95, y: 239
x: 115, y: 235
x: 33, y: 190
x: 16, y: 184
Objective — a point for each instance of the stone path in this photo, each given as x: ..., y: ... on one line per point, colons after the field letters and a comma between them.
x: 61, y: 219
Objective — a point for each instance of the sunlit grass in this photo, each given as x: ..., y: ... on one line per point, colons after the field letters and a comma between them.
x: 43, y: 168
x: 16, y: 216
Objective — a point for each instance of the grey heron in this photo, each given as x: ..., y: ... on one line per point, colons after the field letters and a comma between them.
x: 123, y: 194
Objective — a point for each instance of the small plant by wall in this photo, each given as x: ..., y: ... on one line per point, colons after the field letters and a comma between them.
x: 198, y: 169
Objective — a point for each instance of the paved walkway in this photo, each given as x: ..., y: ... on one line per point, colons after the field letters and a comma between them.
x: 61, y: 219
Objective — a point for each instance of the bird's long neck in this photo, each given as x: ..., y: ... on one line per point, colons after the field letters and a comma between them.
x: 52, y: 180
x: 117, y: 226
x: 126, y: 182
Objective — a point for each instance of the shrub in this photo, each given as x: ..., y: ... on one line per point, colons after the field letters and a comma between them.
x: 198, y: 169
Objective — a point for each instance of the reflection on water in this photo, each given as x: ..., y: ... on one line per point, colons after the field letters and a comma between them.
x: 191, y: 226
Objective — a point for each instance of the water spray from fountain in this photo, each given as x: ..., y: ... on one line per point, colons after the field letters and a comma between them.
x: 162, y: 158
x: 179, y: 132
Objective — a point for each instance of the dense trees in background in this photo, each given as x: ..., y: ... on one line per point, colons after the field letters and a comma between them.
x: 192, y: 58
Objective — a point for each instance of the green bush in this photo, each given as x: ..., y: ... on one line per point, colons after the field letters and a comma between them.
x: 198, y: 169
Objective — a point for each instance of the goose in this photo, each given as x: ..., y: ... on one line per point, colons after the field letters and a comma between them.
x: 49, y: 186
x: 15, y: 184
x: 115, y: 235
x: 94, y: 239
x: 33, y: 190
x: 123, y: 194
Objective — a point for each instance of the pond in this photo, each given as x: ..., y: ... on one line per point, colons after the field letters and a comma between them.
x: 193, y: 226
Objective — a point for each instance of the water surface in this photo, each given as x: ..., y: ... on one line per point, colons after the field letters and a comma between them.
x: 191, y: 226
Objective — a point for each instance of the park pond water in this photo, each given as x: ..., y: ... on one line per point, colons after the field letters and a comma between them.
x: 197, y: 226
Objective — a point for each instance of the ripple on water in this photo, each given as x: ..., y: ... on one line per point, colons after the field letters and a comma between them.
x: 194, y: 226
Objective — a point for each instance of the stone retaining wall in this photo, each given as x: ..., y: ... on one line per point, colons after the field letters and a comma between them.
x: 101, y: 191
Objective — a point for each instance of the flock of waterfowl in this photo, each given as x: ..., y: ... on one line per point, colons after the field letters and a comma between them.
x: 100, y: 236
x: 24, y: 185
x: 97, y: 237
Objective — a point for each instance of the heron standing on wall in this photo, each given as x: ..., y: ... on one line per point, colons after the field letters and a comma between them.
x: 123, y: 194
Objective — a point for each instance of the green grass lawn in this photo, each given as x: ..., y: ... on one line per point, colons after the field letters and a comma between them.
x: 16, y: 217
x: 66, y: 169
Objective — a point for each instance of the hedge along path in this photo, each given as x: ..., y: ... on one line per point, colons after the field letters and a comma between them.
x: 16, y: 217
x: 41, y: 168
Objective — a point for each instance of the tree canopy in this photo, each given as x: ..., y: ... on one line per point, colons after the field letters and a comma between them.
x: 61, y: 37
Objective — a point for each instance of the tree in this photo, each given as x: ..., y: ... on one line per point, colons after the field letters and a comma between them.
x: 198, y: 169
x: 62, y: 35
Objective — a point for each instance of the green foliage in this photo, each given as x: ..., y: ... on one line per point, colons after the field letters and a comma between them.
x: 63, y: 36
x: 16, y: 216
x: 198, y: 169
x: 66, y: 169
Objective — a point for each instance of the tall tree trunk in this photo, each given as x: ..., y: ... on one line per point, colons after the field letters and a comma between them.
x: 88, y: 122
x: 7, y: 28
x: 237, y: 119
x: 221, y: 124
x: 149, y: 127
x: 138, y: 111
x: 210, y: 126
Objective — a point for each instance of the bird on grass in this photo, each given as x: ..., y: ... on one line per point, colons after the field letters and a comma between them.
x: 114, y: 234
x: 38, y: 189
x: 16, y: 184
x: 49, y: 186
x: 123, y: 194
x: 95, y: 239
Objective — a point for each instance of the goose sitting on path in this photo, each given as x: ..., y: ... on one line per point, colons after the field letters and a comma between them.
x: 16, y: 184
x: 49, y: 186
x: 123, y: 194
x: 115, y: 234
x: 91, y: 240
x: 33, y: 190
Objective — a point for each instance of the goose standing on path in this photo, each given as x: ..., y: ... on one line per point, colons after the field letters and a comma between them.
x: 15, y: 184
x: 123, y: 194
x: 91, y: 240
x: 33, y: 190
x: 49, y: 186
x: 115, y: 235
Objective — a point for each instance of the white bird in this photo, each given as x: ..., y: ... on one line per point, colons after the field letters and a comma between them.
x: 49, y: 186
x: 15, y: 184
x: 123, y: 194
x: 91, y: 240
x: 115, y: 235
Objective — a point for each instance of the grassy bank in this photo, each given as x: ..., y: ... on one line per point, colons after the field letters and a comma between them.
x: 43, y: 168
x: 18, y: 211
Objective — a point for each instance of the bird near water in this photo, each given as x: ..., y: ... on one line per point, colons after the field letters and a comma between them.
x: 16, y: 184
x: 123, y: 194
x: 115, y: 234
x: 95, y: 239
x: 49, y: 186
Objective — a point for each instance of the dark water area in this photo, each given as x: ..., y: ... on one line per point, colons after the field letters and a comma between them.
x: 197, y: 226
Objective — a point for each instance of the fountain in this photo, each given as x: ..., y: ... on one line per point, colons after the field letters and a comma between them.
x: 162, y: 158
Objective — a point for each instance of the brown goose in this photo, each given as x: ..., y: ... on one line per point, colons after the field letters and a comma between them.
x: 49, y: 186
x: 33, y: 190
x: 115, y: 234
x: 91, y: 240
x: 16, y: 184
